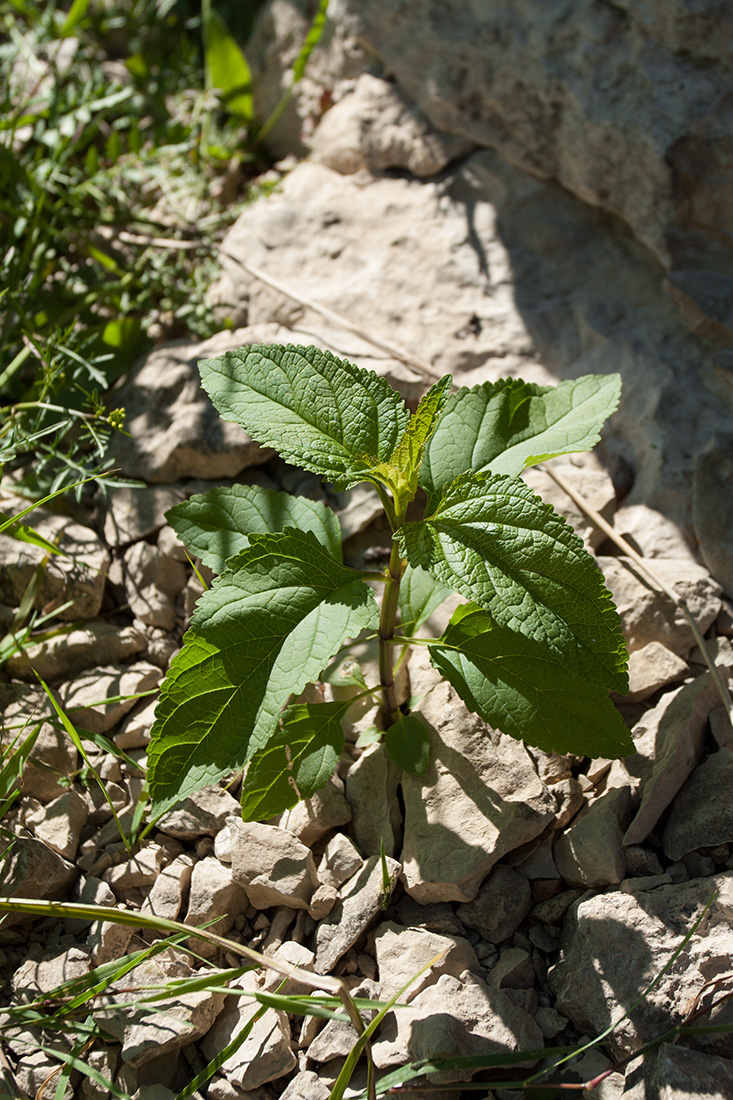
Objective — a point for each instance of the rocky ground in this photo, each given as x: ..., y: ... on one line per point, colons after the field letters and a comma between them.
x: 557, y: 887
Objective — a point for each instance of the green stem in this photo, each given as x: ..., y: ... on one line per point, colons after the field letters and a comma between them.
x: 387, y: 620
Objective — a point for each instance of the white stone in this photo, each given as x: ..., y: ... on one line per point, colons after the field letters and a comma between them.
x: 272, y: 865
x: 402, y: 952
x: 615, y: 943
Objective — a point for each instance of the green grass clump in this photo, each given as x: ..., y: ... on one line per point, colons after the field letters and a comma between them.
x: 120, y: 168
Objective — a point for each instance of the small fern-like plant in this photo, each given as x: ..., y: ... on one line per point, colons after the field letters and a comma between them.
x: 534, y: 649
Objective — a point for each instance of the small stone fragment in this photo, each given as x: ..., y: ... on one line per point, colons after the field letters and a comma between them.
x: 84, y: 697
x: 360, y: 901
x: 201, y: 814
x: 678, y: 1073
x: 64, y: 655
x: 323, y: 900
x: 213, y: 896
x: 108, y: 940
x: 59, y: 823
x: 272, y: 865
x: 340, y: 860
x: 77, y: 576
x: 647, y: 615
x: 653, y: 667
x: 668, y: 744
x: 591, y: 852
x: 265, y: 1055
x: 614, y: 944
x: 502, y: 903
x: 149, y: 1031
x: 702, y: 812
x: 480, y: 798
x: 458, y: 1017
x: 338, y: 1037
x: 141, y: 869
x: 30, y: 869
x: 170, y: 889
x: 152, y: 583
x: 312, y: 818
x: 401, y: 952
x: 42, y: 975
x: 134, y: 512
x: 371, y: 791
x: 307, y: 1086
x: 135, y: 730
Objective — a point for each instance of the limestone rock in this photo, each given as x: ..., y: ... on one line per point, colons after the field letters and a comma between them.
x: 338, y: 1037
x: 360, y: 901
x: 152, y: 582
x: 702, y: 812
x: 108, y: 940
x: 676, y: 1071
x: 170, y: 889
x: 77, y: 576
x: 591, y: 852
x: 613, y: 944
x: 30, y: 869
x: 134, y: 732
x: 84, y: 698
x: 455, y: 1017
x: 172, y: 429
x: 371, y: 791
x: 135, y: 512
x: 265, y: 1055
x: 64, y: 655
x: 213, y: 896
x: 53, y: 757
x: 502, y: 903
x: 374, y: 127
x: 141, y: 869
x: 147, y: 1032
x: 60, y: 822
x: 201, y: 814
x: 713, y: 509
x: 668, y: 744
x: 42, y: 975
x: 652, y: 534
x: 401, y: 952
x: 339, y: 862
x: 650, y: 668
x: 480, y: 798
x: 647, y: 615
x: 272, y: 865
x: 551, y: 90
x: 312, y: 818
x: 306, y: 1086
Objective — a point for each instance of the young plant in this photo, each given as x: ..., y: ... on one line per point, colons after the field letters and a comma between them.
x: 533, y: 651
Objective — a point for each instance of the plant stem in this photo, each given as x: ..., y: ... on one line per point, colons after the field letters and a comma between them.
x: 387, y: 620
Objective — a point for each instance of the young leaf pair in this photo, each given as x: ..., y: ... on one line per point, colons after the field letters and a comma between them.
x: 534, y: 651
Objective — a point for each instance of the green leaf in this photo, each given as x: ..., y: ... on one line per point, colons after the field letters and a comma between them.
x: 318, y: 412
x: 76, y: 13
x: 516, y: 686
x: 216, y: 525
x: 297, y: 761
x: 227, y: 68
x: 498, y: 544
x: 506, y: 426
x: 407, y: 742
x: 400, y: 472
x: 261, y: 633
x: 23, y: 533
x: 420, y: 594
